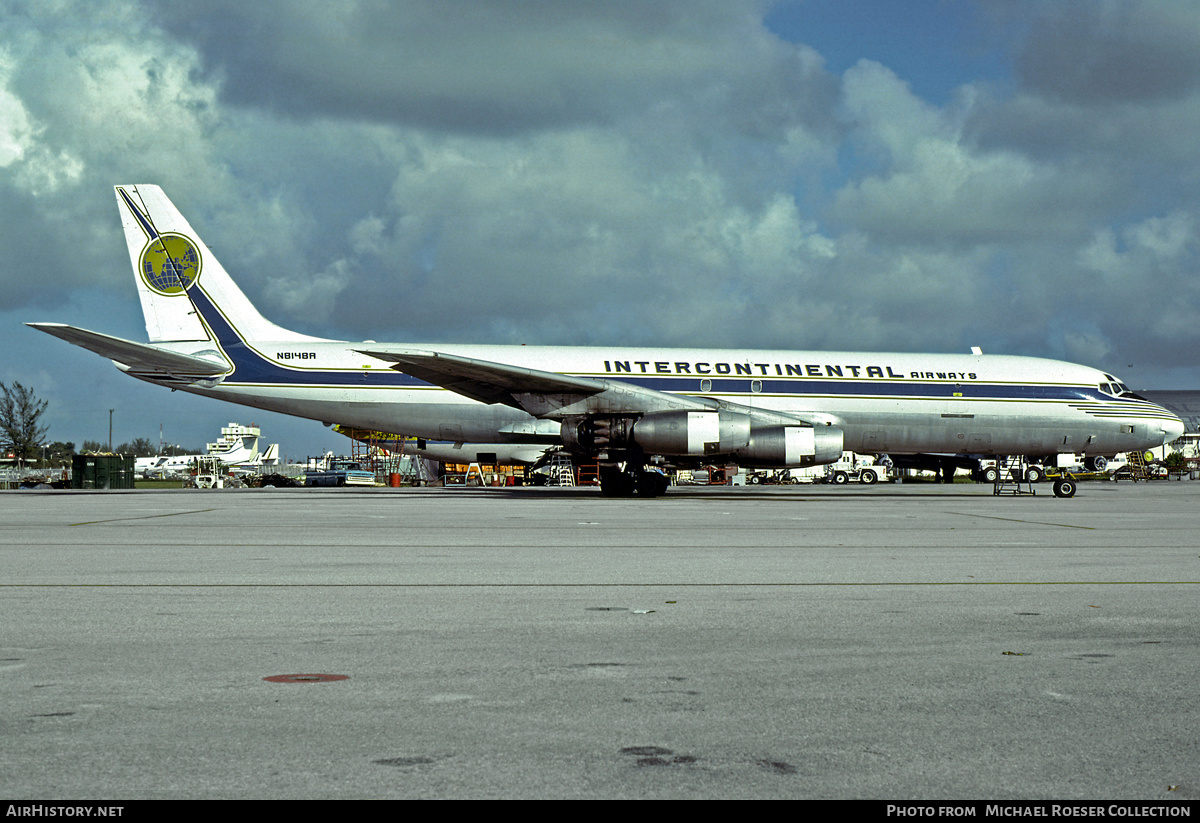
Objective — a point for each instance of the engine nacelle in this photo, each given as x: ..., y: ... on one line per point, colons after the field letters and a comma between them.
x: 683, y: 433
x: 738, y: 435
x: 676, y: 433
x: 791, y: 446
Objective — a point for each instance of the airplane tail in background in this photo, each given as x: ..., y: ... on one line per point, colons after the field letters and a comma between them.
x: 270, y: 457
x: 169, y: 262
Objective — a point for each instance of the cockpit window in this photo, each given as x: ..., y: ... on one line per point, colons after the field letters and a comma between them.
x: 1115, y: 388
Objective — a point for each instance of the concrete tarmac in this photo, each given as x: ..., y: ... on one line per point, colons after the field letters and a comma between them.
x: 891, y: 642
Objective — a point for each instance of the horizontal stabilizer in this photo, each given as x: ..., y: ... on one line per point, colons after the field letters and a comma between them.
x: 138, y: 358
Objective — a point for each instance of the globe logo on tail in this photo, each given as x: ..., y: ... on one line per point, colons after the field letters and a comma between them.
x: 170, y: 264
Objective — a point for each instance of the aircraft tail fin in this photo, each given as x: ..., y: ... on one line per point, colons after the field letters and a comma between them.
x: 172, y: 268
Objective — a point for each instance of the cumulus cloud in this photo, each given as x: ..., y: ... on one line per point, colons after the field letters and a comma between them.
x: 1097, y: 52
x: 16, y: 129
x: 451, y: 65
x: 938, y: 186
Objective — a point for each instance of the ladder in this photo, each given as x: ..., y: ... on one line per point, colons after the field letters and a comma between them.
x: 1012, y: 476
x: 478, y: 469
x: 562, y: 471
x: 1139, y: 469
x: 589, y: 474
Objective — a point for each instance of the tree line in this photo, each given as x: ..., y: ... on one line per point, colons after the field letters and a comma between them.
x: 25, y: 434
x: 20, y: 420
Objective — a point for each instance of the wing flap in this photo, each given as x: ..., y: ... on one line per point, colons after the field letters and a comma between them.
x: 482, y: 380
x: 138, y: 358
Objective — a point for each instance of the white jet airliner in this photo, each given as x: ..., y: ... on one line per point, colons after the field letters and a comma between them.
x: 627, y: 408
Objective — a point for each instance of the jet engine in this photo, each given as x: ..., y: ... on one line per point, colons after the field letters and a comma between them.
x: 749, y: 438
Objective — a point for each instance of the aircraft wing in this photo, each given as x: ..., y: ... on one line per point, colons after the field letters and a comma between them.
x: 139, y: 359
x: 480, y: 379
x: 541, y: 393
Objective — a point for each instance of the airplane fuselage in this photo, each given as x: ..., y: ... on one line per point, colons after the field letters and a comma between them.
x: 896, y: 403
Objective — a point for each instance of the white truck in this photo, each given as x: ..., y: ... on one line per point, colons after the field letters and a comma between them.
x: 855, y: 468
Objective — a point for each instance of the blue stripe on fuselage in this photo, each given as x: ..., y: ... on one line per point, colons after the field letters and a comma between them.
x: 867, y: 388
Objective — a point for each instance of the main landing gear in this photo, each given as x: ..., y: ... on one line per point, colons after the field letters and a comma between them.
x: 631, y: 481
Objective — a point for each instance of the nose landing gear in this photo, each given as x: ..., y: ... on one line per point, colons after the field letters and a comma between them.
x: 1064, y: 486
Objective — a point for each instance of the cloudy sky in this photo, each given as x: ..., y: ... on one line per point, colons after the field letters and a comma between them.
x: 920, y: 176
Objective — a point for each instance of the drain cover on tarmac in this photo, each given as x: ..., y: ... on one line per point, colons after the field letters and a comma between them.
x: 306, y: 678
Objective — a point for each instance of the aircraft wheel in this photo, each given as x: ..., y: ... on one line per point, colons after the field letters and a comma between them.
x: 651, y: 484
x: 1097, y: 463
x: 615, y: 483
x: 1064, y: 487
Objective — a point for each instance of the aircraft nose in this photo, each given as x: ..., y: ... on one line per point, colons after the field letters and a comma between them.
x: 1172, y: 429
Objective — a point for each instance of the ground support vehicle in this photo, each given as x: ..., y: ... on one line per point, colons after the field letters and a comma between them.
x: 340, y: 473
x: 782, y: 477
x: 703, y: 476
x: 1140, y: 466
x: 855, y: 469
x: 1015, y: 476
x: 989, y: 471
